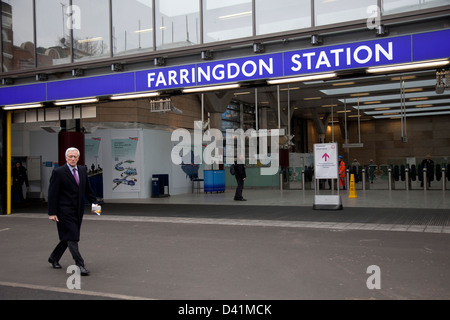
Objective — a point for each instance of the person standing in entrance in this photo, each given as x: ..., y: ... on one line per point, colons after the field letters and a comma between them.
x: 69, y: 185
x: 341, y: 172
x: 19, y: 177
x: 429, y: 165
x: 240, y: 175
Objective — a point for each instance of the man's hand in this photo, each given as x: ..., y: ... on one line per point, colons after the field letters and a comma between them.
x: 53, y: 218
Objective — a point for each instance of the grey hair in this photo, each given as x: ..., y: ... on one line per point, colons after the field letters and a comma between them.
x: 72, y: 149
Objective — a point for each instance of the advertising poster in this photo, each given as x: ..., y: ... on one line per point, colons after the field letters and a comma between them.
x: 125, y: 165
x: 94, y: 166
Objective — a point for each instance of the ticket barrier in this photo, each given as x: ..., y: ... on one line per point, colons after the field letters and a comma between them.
x: 407, y: 176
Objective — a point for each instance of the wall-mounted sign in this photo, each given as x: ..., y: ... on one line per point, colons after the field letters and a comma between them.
x: 378, y: 52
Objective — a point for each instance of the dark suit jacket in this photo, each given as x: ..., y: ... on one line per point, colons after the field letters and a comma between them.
x: 66, y: 200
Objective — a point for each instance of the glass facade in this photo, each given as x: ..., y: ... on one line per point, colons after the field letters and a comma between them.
x: 226, y: 20
x: 177, y: 23
x: 17, y: 35
x: 52, y: 35
x: 91, y: 35
x: 287, y: 15
x: 45, y: 33
x: 399, y: 6
x: 132, y: 30
x: 337, y: 11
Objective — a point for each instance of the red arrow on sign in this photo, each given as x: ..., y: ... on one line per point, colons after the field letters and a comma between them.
x: 326, y: 157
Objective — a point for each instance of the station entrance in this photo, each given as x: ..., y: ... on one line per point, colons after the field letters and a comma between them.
x: 386, y: 127
x: 385, y: 102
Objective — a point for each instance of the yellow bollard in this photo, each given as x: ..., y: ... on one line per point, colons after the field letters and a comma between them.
x: 352, y: 193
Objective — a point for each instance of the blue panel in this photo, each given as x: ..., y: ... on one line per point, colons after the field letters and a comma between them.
x: 208, y: 180
x: 385, y: 51
x: 214, y: 180
x: 91, y: 87
x: 432, y: 45
x: 23, y: 94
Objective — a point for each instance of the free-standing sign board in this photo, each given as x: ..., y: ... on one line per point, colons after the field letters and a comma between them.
x: 326, y: 166
x: 326, y: 163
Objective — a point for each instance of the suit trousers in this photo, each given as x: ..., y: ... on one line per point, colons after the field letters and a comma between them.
x: 239, y: 188
x: 73, y: 248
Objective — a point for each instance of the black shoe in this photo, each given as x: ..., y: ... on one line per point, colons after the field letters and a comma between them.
x: 241, y: 199
x: 54, y: 264
x: 84, y: 271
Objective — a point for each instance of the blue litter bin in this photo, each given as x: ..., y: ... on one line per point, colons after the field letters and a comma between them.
x: 155, y: 188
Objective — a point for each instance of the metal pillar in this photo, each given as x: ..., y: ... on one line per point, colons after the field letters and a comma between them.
x: 407, y: 181
x: 390, y: 181
x: 444, y: 184
x: 425, y: 182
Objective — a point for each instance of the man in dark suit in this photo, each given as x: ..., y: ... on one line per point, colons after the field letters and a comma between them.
x: 69, y: 185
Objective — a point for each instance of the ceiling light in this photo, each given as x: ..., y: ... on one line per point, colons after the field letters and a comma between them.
x: 403, y: 78
x: 408, y: 66
x: 212, y: 88
x: 425, y: 114
x: 143, y: 30
x: 236, y: 15
x: 23, y: 106
x: 134, y: 96
x: 90, y: 40
x: 415, y: 110
x: 303, y: 78
x: 75, y: 101
x: 312, y: 98
x: 372, y: 102
x: 414, y: 90
x: 343, y: 84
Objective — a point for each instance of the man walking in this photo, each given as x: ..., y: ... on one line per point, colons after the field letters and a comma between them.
x: 69, y: 185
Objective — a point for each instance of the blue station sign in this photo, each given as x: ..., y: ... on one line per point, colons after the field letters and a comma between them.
x: 378, y: 52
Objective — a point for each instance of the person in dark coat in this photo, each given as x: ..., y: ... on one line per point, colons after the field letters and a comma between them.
x: 19, y: 176
x: 69, y: 184
x: 429, y: 165
x: 240, y: 175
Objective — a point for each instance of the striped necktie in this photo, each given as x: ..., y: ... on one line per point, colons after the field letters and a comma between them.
x: 75, y: 175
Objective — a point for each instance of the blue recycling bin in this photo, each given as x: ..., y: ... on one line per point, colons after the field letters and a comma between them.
x: 160, y: 185
x: 155, y: 188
